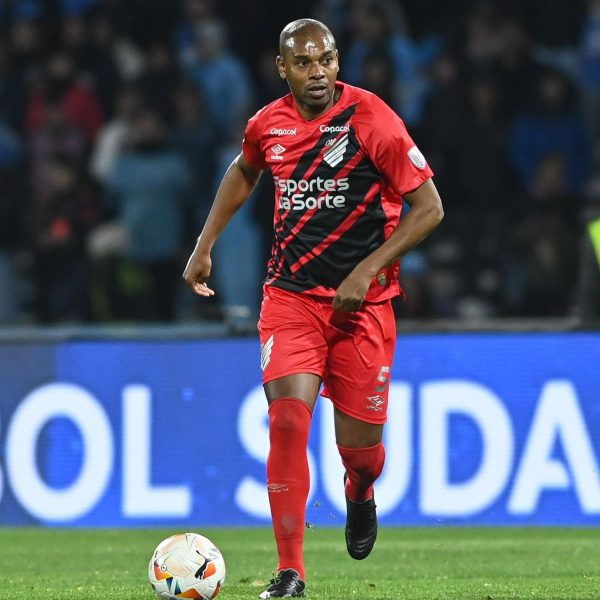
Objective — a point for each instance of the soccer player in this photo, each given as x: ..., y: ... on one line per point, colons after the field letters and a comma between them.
x: 342, y: 162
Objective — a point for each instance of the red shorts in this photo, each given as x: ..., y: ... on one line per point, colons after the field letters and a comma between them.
x: 351, y: 352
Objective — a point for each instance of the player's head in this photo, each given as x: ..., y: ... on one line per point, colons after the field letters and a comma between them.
x: 308, y: 60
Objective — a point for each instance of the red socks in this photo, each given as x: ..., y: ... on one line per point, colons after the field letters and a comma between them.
x: 288, y: 478
x: 363, y: 467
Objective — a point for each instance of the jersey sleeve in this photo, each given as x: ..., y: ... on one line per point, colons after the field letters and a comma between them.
x: 392, y: 150
x: 251, y: 146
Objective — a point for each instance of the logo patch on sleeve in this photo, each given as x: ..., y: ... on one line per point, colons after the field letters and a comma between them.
x: 417, y: 158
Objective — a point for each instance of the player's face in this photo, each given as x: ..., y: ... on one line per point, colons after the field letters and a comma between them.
x: 310, y: 65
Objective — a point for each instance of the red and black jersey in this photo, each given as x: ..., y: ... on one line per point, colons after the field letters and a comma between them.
x: 339, y: 181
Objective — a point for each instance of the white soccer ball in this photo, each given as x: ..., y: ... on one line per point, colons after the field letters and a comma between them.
x: 186, y: 565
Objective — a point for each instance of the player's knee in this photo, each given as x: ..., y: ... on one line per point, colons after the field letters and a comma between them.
x: 288, y: 417
x: 369, y: 471
x: 364, y: 463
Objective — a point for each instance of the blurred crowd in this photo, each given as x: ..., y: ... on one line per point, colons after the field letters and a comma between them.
x: 119, y: 117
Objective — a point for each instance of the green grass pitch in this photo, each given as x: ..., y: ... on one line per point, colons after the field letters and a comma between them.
x: 406, y: 564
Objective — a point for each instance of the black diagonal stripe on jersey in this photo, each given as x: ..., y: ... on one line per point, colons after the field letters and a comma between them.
x: 325, y: 221
x: 360, y: 180
x: 303, y: 165
x: 324, y: 171
x: 331, y: 267
x: 308, y: 158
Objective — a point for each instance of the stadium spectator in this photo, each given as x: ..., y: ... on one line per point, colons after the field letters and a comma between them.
x: 443, y: 118
x: 147, y: 188
x: 514, y: 66
x: 12, y: 220
x: 378, y: 77
x: 195, y: 137
x: 195, y: 13
x: 114, y: 134
x: 586, y: 302
x: 379, y: 28
x: 55, y: 136
x: 61, y: 85
x: 553, y: 125
x: 94, y: 56
x: 115, y: 48
x: 62, y: 217
x: 544, y: 244
x: 160, y: 78
x: 220, y: 76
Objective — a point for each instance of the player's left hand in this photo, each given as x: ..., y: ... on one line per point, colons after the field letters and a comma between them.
x: 351, y: 292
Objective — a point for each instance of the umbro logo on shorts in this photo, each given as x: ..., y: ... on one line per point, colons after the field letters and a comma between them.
x: 265, y: 353
x: 375, y: 403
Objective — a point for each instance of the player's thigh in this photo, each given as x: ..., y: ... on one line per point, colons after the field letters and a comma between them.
x: 353, y: 433
x: 293, y: 346
x: 361, y: 351
x: 304, y: 386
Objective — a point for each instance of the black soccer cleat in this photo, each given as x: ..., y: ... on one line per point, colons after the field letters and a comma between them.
x: 286, y: 584
x: 361, y: 527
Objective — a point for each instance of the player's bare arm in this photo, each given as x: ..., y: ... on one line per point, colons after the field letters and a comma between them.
x: 424, y: 216
x: 238, y: 183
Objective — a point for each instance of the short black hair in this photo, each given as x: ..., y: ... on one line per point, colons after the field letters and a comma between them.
x: 302, y: 26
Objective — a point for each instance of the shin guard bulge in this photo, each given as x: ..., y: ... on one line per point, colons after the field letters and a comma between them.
x: 363, y: 467
x: 288, y: 478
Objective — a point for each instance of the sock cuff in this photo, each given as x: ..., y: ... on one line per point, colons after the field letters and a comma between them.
x: 278, y: 401
x: 364, y: 449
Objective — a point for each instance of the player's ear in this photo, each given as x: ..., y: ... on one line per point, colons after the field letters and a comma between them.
x: 280, y: 67
x: 337, y: 60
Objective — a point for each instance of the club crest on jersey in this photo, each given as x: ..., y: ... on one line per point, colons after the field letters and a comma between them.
x: 277, y: 152
x: 335, y: 154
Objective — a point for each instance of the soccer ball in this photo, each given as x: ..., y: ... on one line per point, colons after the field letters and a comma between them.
x: 186, y: 565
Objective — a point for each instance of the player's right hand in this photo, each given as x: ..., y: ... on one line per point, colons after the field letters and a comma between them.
x: 197, y: 271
